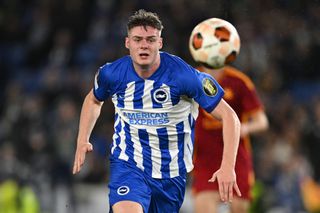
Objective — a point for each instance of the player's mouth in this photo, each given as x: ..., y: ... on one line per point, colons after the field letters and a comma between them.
x: 144, y: 55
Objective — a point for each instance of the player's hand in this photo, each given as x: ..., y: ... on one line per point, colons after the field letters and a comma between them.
x: 80, y: 156
x: 226, y: 182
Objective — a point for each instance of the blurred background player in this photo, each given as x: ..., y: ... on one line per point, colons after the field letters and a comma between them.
x: 214, y: 43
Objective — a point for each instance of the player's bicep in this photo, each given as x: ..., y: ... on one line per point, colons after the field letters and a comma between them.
x: 92, y: 98
x: 221, y: 109
x: 227, y: 115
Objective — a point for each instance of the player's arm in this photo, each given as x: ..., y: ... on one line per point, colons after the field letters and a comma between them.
x: 89, y: 114
x: 258, y: 121
x: 226, y: 176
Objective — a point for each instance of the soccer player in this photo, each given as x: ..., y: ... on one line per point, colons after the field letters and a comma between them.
x: 241, y: 95
x: 156, y: 97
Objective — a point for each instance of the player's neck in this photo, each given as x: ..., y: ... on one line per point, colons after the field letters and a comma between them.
x: 145, y: 71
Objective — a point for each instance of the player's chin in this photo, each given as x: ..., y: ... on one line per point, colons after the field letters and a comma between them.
x: 144, y: 62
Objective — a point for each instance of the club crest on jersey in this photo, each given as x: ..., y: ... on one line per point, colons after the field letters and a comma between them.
x: 209, y: 87
x: 161, y: 96
x: 123, y: 190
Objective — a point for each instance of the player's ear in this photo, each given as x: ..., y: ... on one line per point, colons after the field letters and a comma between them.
x: 127, y: 42
x: 160, y: 43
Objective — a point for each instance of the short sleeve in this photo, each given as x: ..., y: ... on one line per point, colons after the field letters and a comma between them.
x: 102, y: 85
x: 203, y: 88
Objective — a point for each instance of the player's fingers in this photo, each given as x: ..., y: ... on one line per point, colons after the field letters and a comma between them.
x: 213, y: 178
x: 230, y: 192
x: 226, y: 187
x: 78, y: 162
x: 80, y: 158
x: 221, y: 191
x: 75, y: 168
x: 75, y: 165
x: 235, y: 186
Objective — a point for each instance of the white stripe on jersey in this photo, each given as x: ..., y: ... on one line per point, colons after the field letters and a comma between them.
x: 188, y: 146
x: 129, y: 96
x: 146, y: 98
x: 115, y: 102
x: 122, y: 144
x: 115, y: 136
x: 137, y: 148
x: 155, y: 153
x: 173, y: 150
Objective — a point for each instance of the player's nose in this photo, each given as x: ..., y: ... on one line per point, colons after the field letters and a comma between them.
x: 144, y: 44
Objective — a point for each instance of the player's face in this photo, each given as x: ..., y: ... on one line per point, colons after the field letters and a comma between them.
x: 144, y: 44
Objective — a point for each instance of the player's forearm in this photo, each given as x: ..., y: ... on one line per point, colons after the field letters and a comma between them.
x: 231, y: 138
x: 89, y: 114
x: 231, y: 133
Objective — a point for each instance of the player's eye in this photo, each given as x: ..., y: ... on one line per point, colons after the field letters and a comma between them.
x: 136, y: 39
x: 151, y: 40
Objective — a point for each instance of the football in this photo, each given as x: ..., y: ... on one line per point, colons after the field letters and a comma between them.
x: 214, y: 43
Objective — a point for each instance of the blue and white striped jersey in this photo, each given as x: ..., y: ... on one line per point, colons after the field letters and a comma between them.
x: 154, y: 117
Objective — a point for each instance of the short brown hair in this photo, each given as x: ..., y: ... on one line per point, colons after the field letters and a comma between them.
x: 144, y: 18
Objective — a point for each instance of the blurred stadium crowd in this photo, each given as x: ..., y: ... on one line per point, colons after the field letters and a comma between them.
x: 51, y: 49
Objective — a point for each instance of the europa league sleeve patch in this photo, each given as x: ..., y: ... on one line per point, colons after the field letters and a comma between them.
x: 209, y: 87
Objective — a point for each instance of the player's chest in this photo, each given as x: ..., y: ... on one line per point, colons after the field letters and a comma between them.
x: 146, y: 94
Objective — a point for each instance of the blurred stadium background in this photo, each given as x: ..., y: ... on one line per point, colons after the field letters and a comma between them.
x: 51, y: 49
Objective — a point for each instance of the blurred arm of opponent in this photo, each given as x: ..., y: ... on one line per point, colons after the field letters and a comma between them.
x: 258, y: 122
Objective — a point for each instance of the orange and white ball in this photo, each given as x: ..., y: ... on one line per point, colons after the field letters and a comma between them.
x: 214, y: 43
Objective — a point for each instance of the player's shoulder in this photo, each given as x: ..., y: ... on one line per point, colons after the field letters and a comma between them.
x: 176, y: 65
x: 112, y: 71
x: 168, y: 57
x: 173, y: 60
x: 121, y: 62
x: 232, y: 72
